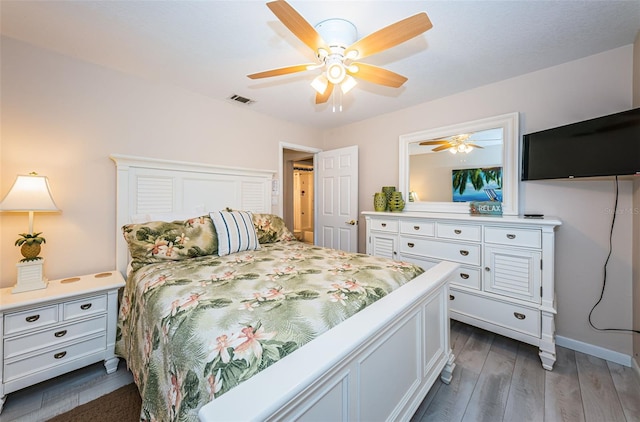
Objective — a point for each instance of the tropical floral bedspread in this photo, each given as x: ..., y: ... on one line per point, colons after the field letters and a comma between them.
x: 191, y: 330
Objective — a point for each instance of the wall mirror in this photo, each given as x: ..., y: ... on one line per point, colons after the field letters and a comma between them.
x: 442, y: 169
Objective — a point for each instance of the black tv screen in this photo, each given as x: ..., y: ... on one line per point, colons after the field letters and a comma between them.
x: 604, y: 146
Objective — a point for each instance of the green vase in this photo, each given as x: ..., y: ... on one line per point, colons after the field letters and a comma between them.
x: 388, y: 190
x: 397, y: 203
x: 380, y: 201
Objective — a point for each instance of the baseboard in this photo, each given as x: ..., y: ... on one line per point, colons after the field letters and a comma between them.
x: 597, y: 351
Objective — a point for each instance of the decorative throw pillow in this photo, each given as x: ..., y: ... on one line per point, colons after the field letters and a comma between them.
x: 157, y: 241
x: 235, y: 231
x: 271, y: 228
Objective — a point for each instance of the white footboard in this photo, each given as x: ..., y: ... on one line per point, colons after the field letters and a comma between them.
x: 377, y: 365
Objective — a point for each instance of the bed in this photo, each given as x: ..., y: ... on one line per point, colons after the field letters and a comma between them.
x: 356, y: 338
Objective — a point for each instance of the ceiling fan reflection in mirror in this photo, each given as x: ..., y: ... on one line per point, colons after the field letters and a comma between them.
x: 455, y: 144
x: 335, y: 44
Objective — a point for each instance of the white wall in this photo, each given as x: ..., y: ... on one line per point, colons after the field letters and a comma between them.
x: 63, y: 118
x: 571, y: 92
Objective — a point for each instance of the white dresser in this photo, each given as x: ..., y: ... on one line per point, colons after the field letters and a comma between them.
x: 505, y: 283
x: 46, y: 333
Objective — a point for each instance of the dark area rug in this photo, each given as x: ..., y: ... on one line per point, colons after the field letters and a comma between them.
x: 121, y: 405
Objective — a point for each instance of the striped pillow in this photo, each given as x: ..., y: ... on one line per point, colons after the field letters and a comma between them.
x: 236, y: 231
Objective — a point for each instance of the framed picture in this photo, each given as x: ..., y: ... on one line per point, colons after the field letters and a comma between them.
x: 477, y: 184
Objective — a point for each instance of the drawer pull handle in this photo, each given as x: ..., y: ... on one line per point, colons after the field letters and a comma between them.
x: 384, y: 224
x: 60, y: 355
x: 463, y: 252
x: 519, y: 315
x: 60, y: 333
x: 511, y: 236
x: 416, y: 227
x: 32, y: 318
x: 411, y: 245
x: 452, y: 297
x: 457, y: 231
x: 85, y: 306
x: 487, y: 269
x: 464, y: 276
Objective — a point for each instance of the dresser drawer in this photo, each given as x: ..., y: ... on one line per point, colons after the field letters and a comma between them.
x: 508, y: 315
x: 459, y: 231
x: 530, y: 238
x: 384, y: 225
x: 449, y: 251
x: 424, y: 263
x: 418, y: 228
x: 85, y: 307
x: 17, y: 368
x: 20, y: 345
x: 467, y: 276
x: 17, y: 322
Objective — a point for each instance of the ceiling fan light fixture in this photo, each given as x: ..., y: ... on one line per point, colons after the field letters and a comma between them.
x: 320, y: 84
x: 352, y: 54
x: 348, y: 83
x: 336, y: 72
x: 353, y: 68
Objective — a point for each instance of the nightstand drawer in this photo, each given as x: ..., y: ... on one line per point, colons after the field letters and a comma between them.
x: 436, y: 249
x: 384, y: 225
x: 21, y: 345
x: 27, y: 320
x: 530, y: 238
x: 418, y: 228
x: 459, y: 231
x: 84, y: 307
x: 16, y: 368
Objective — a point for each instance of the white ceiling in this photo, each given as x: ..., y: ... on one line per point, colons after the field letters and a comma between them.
x: 210, y: 46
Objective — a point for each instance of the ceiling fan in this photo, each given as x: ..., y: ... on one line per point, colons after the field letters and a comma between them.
x: 455, y: 144
x: 335, y: 44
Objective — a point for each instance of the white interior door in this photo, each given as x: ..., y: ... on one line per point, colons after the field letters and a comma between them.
x: 337, y: 199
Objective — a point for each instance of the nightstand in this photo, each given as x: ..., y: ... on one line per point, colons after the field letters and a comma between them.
x: 46, y: 333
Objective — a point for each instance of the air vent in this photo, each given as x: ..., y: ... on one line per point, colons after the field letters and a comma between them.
x: 241, y: 99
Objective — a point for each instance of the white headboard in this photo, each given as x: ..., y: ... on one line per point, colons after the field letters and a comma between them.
x: 146, y: 185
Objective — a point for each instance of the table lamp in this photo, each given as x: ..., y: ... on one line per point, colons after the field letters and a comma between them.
x: 29, y: 193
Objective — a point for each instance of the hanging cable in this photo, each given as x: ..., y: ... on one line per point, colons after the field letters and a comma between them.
x: 606, y: 263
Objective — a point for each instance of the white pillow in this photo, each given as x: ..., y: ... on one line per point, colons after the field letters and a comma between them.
x: 235, y: 230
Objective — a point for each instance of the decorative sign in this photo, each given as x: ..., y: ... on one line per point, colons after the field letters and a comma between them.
x: 485, y: 208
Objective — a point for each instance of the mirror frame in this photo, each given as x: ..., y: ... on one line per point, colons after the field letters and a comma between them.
x: 510, y: 162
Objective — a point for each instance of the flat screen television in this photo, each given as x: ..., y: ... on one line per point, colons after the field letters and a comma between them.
x: 604, y: 146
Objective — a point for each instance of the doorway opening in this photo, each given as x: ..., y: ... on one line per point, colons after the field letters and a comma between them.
x: 298, y: 193
x: 303, y: 203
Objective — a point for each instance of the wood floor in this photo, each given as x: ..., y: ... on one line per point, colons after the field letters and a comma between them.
x: 495, y: 379
x: 499, y: 379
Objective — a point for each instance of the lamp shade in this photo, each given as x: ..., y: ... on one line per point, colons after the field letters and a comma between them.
x: 29, y: 193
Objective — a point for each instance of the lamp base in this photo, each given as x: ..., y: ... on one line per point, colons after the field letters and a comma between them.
x: 30, y: 276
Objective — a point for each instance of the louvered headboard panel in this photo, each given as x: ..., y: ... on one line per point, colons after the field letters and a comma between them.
x: 146, y: 186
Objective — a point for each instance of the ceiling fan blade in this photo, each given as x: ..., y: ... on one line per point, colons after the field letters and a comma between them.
x: 322, y: 98
x: 297, y: 24
x: 436, y: 142
x: 377, y: 75
x: 390, y: 36
x: 475, y: 146
x: 281, y: 71
x: 441, y: 148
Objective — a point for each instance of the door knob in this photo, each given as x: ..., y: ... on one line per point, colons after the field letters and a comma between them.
x: 351, y: 222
